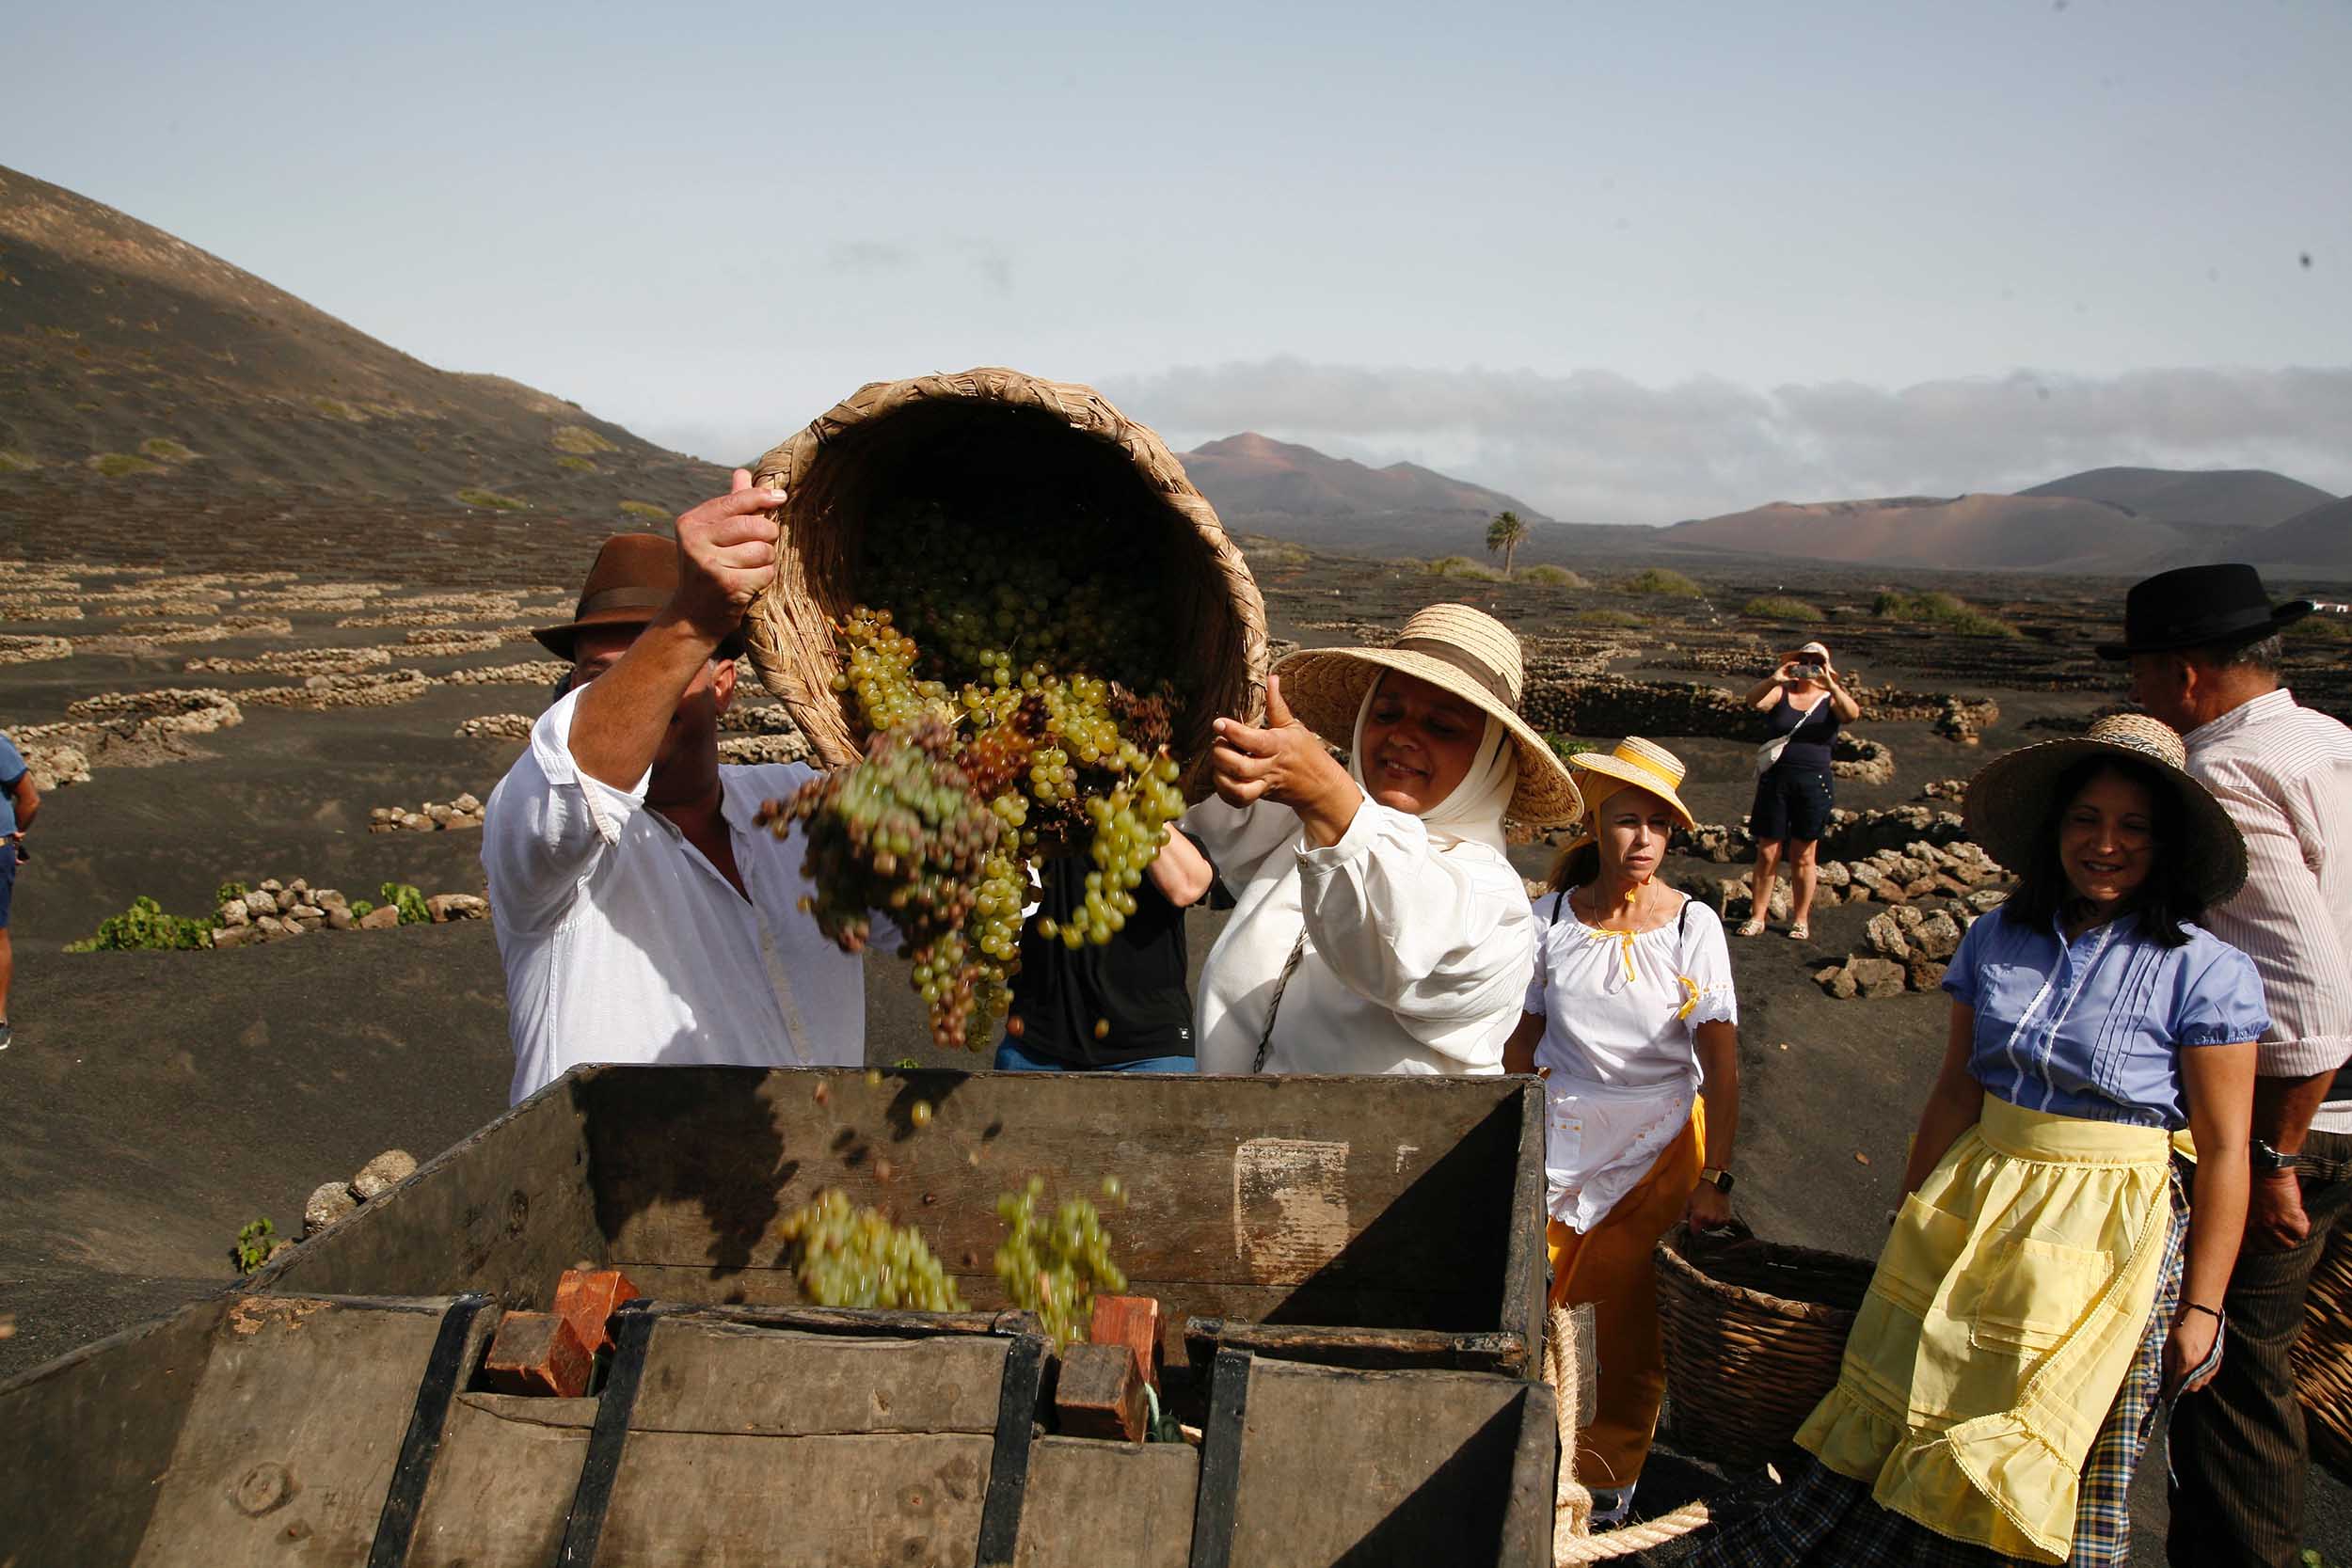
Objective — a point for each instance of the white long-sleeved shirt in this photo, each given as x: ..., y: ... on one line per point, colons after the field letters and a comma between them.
x: 623, y: 944
x: 2284, y: 775
x: 1417, y: 953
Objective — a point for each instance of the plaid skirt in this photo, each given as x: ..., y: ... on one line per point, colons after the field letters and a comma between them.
x: 1822, y: 1518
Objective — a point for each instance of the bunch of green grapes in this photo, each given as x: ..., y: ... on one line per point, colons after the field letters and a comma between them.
x: 901, y: 831
x: 1039, y: 666
x: 1054, y: 1268
x: 846, y: 1256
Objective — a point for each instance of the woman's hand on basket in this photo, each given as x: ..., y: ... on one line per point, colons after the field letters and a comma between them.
x: 726, y: 557
x: 1708, y: 1209
x: 1287, y: 763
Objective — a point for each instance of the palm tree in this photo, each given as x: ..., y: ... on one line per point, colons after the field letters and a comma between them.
x: 1505, y: 533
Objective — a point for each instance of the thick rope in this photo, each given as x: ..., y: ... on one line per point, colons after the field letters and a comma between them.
x: 1572, y: 1540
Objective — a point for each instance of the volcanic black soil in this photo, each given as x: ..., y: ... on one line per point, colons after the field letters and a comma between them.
x: 157, y: 1102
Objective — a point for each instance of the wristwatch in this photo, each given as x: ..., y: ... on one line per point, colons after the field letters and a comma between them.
x: 1717, y: 1179
x: 2270, y: 1160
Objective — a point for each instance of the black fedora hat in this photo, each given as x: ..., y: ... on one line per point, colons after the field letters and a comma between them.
x: 2199, y: 605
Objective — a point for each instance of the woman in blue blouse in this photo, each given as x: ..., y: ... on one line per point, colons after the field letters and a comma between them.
x: 2042, y: 1293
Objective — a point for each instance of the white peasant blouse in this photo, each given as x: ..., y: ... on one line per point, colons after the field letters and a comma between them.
x: 1621, y: 1014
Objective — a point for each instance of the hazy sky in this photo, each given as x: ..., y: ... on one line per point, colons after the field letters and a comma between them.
x: 1629, y: 261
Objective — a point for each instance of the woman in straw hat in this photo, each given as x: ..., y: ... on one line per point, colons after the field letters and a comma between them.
x: 1377, y: 927
x: 2042, y: 1295
x: 1630, y: 1013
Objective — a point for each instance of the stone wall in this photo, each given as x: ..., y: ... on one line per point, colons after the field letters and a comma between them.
x: 325, y: 691
x: 432, y: 816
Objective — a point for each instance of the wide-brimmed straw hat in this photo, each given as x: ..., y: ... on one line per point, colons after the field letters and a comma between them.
x: 1643, y: 764
x: 634, y: 575
x: 2010, y: 796
x: 1456, y: 649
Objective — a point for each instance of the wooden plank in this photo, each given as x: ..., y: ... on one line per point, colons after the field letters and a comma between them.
x: 504, y: 1478
x: 1385, y: 1181
x: 883, y: 1501
x: 1526, y: 1270
x: 706, y: 1377
x: 1529, y: 1513
x: 1430, y: 1459
x: 505, y: 1213
x: 456, y: 1347
x: 1370, y: 1348
x: 1108, y: 1505
x: 85, y: 1439
x: 1454, y: 1311
x: 290, y: 1442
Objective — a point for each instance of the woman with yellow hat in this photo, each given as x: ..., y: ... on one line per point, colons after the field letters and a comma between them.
x: 1630, y: 1018
x: 1377, y: 925
x: 2041, y: 1292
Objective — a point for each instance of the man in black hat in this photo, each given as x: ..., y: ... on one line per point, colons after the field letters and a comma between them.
x: 643, y: 915
x: 2205, y: 650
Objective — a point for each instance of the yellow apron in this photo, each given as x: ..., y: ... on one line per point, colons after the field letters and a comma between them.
x: 1999, y: 1327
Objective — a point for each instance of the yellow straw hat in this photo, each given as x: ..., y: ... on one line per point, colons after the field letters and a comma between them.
x: 1456, y: 649
x: 2010, y: 796
x: 1642, y: 763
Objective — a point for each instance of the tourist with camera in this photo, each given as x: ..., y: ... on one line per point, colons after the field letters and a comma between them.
x: 1806, y: 704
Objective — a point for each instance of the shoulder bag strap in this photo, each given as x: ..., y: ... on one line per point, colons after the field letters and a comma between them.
x: 1290, y: 967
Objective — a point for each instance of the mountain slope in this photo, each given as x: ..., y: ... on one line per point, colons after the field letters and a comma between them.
x: 1251, y: 474
x: 2317, y: 540
x: 2244, y: 498
x: 2047, y: 533
x: 130, y: 351
x: 1292, y: 492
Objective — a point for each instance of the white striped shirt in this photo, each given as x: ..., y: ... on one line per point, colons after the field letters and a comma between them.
x: 2284, y: 774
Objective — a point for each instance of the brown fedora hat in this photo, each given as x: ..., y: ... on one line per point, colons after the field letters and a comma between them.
x: 635, y: 574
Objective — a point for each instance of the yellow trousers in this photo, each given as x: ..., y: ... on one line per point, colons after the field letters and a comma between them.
x: 1609, y: 1266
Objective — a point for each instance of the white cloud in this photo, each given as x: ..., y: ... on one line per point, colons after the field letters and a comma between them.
x: 1596, y: 447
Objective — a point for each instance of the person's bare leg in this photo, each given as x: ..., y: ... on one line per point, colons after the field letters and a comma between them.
x: 1760, y: 887
x: 7, y: 969
x: 1804, y: 876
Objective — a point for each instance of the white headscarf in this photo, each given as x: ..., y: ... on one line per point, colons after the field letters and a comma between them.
x: 1471, y: 810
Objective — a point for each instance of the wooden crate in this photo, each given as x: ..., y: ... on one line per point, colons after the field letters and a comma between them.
x: 1340, y: 1204
x: 344, y: 1432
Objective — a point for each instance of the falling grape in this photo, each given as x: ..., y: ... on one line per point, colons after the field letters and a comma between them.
x: 1054, y: 1267
x: 847, y: 1257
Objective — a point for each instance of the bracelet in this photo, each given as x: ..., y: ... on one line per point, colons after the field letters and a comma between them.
x: 2201, y: 1306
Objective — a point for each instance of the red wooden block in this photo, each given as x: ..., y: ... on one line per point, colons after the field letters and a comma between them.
x: 586, y: 1297
x: 538, y: 1353
x: 1133, y: 1321
x: 1100, y: 1393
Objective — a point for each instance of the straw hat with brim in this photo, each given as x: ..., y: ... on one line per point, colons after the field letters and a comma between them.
x: 634, y: 575
x: 1456, y: 649
x: 2009, y: 797
x: 1640, y: 763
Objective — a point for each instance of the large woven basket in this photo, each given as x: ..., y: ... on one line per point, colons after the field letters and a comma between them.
x: 1754, y: 1332
x: 2322, y: 1355
x: 987, y: 433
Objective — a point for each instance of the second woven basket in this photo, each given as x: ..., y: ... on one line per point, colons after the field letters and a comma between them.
x: 1754, y: 1333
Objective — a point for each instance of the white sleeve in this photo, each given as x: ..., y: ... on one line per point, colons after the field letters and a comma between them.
x: 1239, y: 840
x: 547, y: 825
x: 1441, y: 937
x: 1534, y: 1001
x: 1706, y: 960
